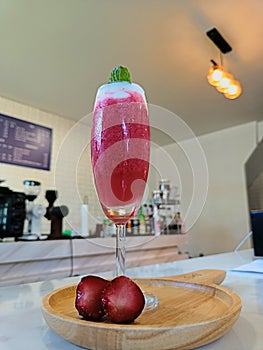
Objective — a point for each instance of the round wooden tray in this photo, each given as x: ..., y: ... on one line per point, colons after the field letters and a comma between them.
x: 192, y: 312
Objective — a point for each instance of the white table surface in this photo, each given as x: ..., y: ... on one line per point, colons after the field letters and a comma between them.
x: 22, y: 326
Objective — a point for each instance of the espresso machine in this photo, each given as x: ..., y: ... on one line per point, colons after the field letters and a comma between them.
x: 34, y: 212
x: 12, y: 213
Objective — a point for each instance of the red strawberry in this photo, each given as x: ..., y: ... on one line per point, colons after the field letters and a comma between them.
x: 88, y: 297
x: 123, y: 300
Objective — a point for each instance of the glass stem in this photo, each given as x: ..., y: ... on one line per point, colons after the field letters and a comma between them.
x: 120, y: 249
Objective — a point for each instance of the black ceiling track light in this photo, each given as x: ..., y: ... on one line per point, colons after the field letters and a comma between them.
x: 214, y: 35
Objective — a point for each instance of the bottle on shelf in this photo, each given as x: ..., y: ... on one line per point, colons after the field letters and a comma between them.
x: 151, y: 219
x: 141, y: 219
x: 157, y: 197
x: 135, y: 225
x: 145, y: 210
x: 164, y: 187
x: 179, y: 223
x: 157, y: 221
x: 129, y: 227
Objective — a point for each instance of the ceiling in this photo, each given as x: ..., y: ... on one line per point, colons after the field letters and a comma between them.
x: 55, y: 53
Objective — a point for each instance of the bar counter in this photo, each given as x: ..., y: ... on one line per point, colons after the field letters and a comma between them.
x: 23, y: 327
x: 33, y: 261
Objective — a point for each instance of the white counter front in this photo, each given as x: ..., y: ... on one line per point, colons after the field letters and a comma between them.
x: 22, y: 326
x: 22, y: 262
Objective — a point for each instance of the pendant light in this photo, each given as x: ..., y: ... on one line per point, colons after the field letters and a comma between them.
x: 217, y: 75
x: 223, y: 81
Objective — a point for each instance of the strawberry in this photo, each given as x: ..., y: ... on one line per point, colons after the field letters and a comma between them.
x: 123, y: 300
x: 88, y: 297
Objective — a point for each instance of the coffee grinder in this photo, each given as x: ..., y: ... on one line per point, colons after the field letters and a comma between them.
x: 55, y: 215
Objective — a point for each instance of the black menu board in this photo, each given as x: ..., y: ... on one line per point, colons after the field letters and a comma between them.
x: 24, y: 143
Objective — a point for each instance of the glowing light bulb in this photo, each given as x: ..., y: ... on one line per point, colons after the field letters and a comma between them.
x: 224, y: 82
x: 215, y: 74
x: 233, y: 91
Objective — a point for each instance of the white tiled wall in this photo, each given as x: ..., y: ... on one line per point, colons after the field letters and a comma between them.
x: 70, y: 172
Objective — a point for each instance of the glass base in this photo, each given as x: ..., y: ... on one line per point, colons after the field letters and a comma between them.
x: 151, y: 301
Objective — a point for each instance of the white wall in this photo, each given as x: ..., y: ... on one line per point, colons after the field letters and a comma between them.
x: 224, y: 220
x: 70, y: 172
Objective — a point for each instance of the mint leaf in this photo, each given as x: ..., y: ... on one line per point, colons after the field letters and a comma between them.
x: 120, y: 73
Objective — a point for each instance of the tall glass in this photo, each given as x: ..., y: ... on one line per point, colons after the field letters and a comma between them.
x: 120, y: 152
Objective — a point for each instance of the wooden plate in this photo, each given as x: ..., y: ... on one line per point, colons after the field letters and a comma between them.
x: 192, y: 311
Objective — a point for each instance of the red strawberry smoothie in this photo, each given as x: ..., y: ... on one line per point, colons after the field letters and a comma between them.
x: 120, y: 148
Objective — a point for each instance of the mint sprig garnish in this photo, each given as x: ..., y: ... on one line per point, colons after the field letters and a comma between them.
x: 120, y: 73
